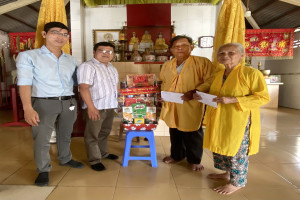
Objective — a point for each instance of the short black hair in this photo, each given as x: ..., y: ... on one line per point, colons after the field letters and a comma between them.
x: 50, y: 25
x: 104, y: 44
x: 177, y: 37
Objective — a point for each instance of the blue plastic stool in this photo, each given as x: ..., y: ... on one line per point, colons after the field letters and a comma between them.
x: 130, y: 134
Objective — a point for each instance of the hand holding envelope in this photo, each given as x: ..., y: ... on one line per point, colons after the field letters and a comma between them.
x: 172, y: 97
x: 207, y: 99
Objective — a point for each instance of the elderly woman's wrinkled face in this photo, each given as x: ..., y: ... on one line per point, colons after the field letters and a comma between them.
x: 230, y: 56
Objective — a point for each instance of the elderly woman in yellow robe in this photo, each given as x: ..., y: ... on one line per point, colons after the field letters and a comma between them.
x: 233, y: 129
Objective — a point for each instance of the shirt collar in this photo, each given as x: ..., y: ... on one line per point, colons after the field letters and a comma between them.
x: 45, y: 50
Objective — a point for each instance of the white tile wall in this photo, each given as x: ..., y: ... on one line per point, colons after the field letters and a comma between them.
x: 77, y: 24
x: 195, y: 21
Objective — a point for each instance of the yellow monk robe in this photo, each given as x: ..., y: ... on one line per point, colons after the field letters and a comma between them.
x: 225, y: 125
x: 195, y: 74
x: 230, y: 27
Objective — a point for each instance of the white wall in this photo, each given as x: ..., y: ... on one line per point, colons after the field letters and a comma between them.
x: 289, y: 93
x: 102, y: 18
x: 77, y: 29
x: 194, y: 20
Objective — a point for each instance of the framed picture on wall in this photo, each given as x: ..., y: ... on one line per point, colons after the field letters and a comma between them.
x: 106, y: 35
x: 206, y: 42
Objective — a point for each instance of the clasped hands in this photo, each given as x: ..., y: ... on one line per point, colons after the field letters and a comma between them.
x: 223, y: 100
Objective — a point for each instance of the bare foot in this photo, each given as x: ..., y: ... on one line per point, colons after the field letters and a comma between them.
x: 226, y: 189
x: 197, y: 167
x: 224, y: 176
x: 168, y: 160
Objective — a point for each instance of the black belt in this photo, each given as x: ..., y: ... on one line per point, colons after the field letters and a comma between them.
x: 57, y: 98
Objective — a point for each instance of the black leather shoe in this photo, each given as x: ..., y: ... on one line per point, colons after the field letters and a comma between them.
x: 98, y: 167
x: 112, y: 156
x: 73, y: 164
x: 42, y: 179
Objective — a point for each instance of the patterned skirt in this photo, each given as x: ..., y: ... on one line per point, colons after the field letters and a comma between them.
x: 236, y: 165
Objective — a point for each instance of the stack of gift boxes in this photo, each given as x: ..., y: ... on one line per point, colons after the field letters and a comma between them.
x: 138, y: 99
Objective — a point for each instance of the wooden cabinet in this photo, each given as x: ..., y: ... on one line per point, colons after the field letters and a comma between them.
x: 273, y: 89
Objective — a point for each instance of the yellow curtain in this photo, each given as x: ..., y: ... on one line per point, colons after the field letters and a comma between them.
x: 50, y: 10
x: 94, y: 3
x: 230, y: 26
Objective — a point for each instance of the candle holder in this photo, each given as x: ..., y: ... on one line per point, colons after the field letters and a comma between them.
x: 123, y: 49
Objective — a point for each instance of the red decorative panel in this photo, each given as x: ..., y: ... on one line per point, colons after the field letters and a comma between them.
x: 140, y: 90
x: 269, y: 43
x: 21, y: 42
x: 149, y: 15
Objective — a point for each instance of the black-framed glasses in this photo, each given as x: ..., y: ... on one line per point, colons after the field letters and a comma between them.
x: 59, y: 33
x: 105, y: 51
x: 182, y: 46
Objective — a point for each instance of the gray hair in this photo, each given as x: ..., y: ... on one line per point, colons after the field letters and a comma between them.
x: 239, y: 46
x: 177, y: 37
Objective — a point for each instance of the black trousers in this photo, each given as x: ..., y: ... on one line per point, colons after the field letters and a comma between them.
x: 186, y: 144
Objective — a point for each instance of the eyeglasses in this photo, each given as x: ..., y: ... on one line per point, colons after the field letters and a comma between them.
x: 105, y: 51
x: 183, y: 46
x: 59, y: 33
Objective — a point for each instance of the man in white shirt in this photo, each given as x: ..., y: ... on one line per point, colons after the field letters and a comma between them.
x: 98, y: 81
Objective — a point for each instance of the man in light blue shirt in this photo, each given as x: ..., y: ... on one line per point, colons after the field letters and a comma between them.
x: 45, y: 79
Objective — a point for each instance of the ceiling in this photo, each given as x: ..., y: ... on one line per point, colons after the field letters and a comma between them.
x: 273, y: 14
x: 22, y: 15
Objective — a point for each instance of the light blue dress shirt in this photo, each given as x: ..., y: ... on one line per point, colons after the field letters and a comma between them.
x: 48, y: 75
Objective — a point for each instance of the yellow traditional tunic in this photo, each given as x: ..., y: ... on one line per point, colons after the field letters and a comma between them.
x: 225, y: 125
x: 195, y: 74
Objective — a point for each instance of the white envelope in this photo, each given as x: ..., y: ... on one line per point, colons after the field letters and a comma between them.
x: 207, y: 99
x: 172, y: 97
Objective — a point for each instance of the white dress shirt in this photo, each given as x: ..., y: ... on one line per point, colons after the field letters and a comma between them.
x: 103, y: 81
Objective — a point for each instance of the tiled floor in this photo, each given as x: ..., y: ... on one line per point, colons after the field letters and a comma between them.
x: 274, y: 173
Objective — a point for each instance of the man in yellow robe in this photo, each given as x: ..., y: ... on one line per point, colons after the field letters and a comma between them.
x: 185, y: 74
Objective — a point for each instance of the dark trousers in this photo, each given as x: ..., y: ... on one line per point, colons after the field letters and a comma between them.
x: 96, y: 134
x: 186, y: 144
